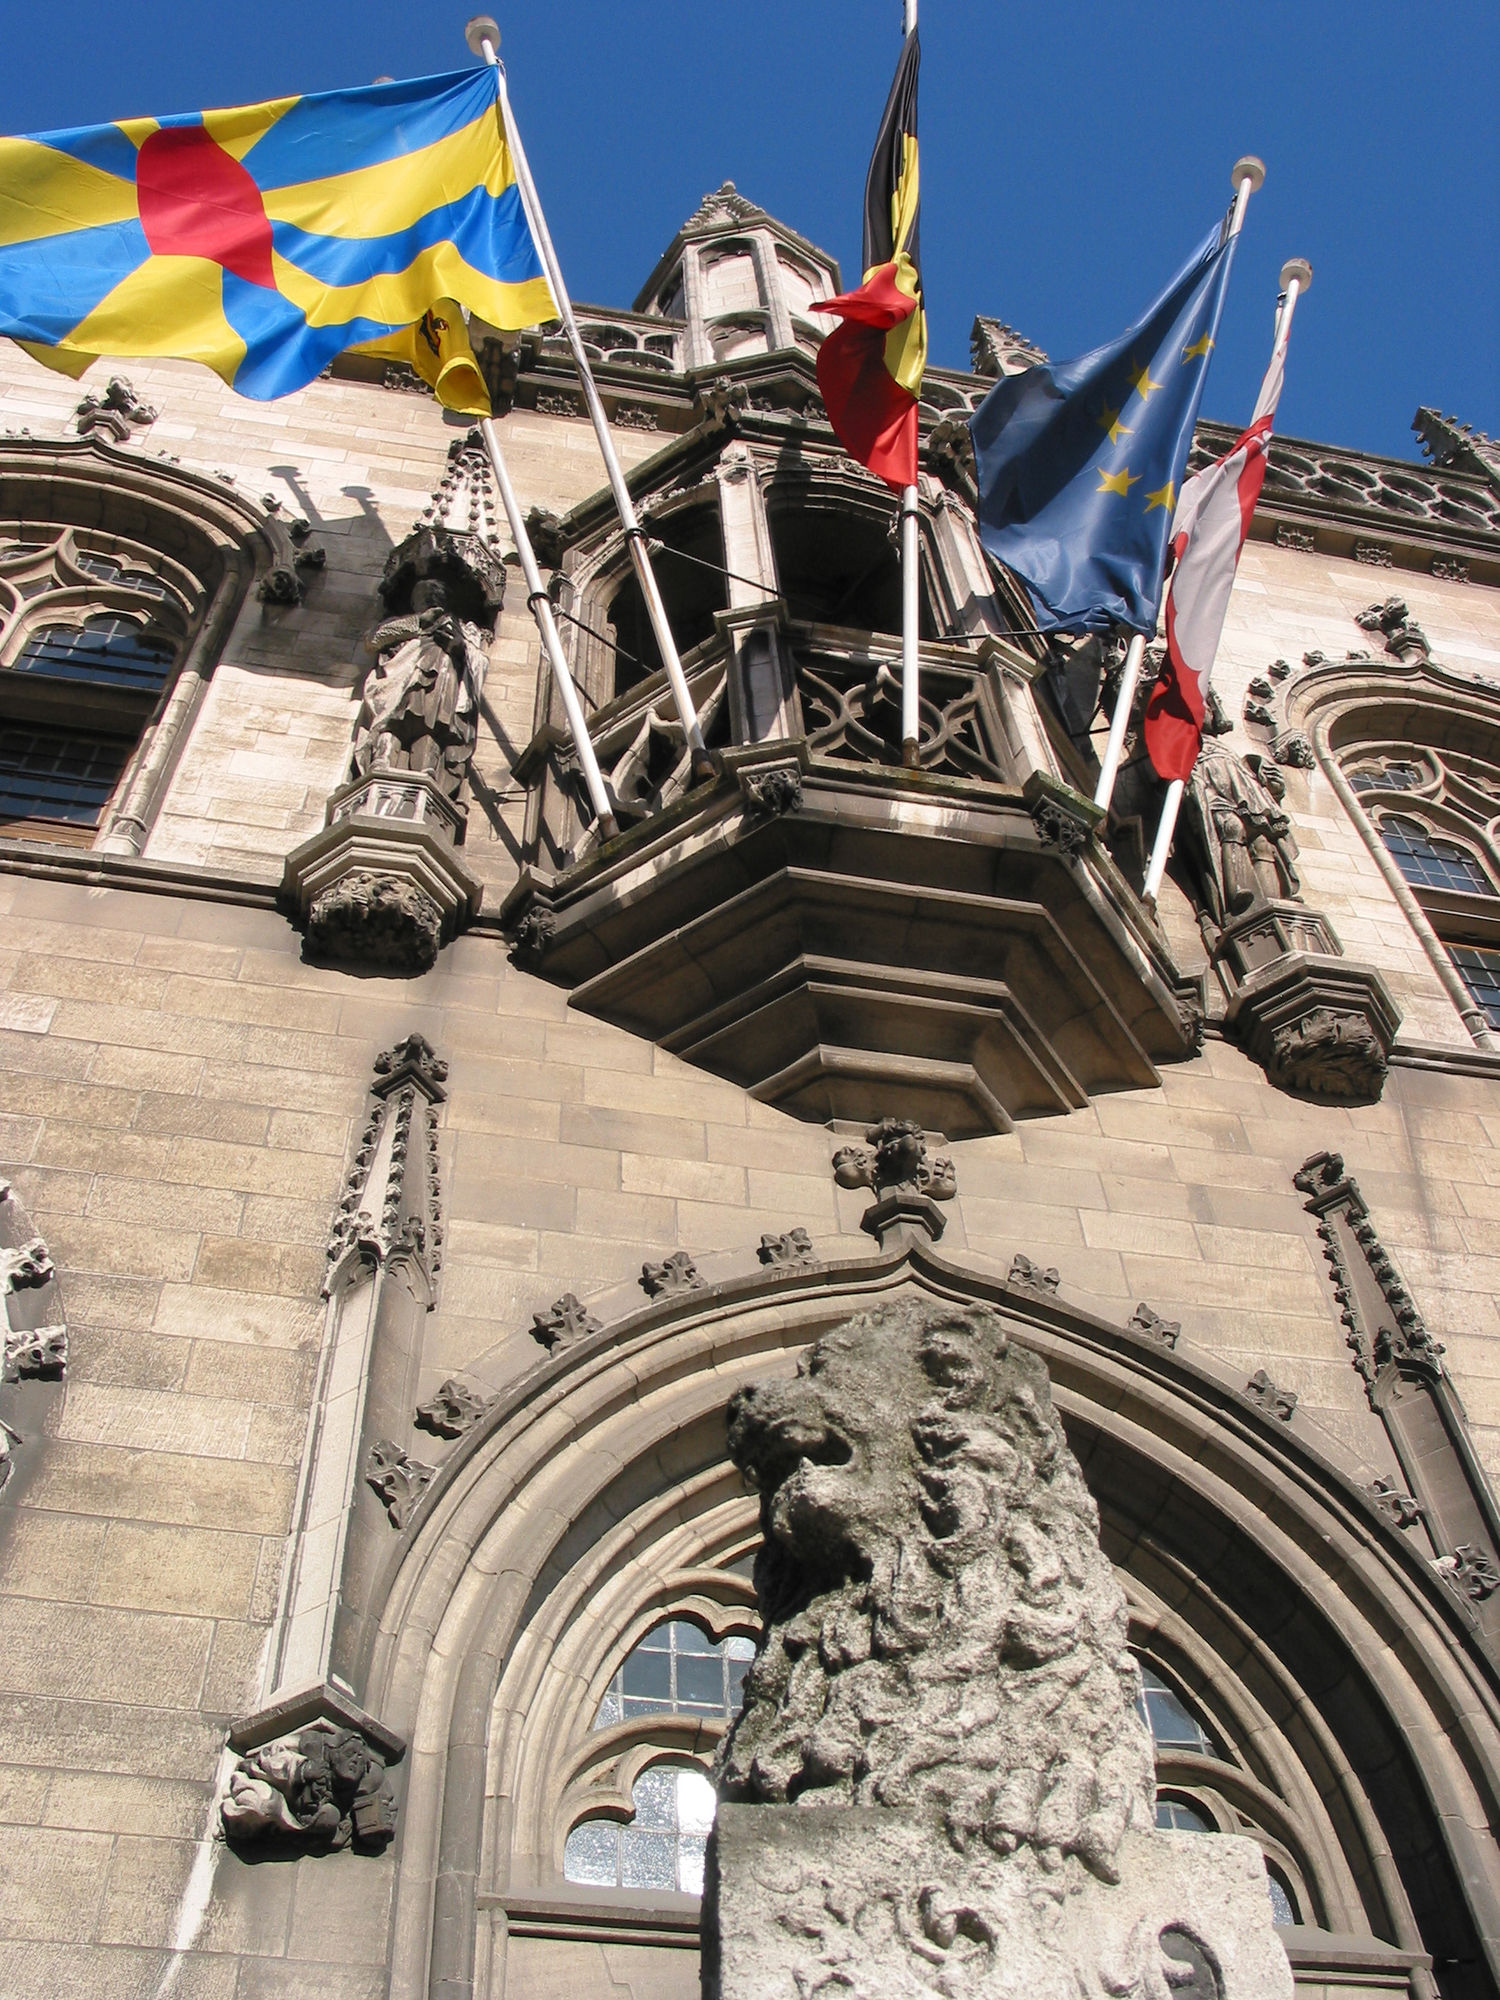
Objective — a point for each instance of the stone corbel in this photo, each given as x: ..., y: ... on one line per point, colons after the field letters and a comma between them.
x: 382, y: 884
x: 312, y: 1777
x: 1319, y: 1024
x: 908, y: 1182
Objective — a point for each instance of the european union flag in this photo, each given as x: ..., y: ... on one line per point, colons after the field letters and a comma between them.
x: 1080, y: 463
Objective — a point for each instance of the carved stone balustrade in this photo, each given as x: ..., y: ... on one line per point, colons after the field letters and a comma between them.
x: 842, y: 937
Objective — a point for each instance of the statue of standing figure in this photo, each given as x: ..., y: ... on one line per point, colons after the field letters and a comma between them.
x: 1238, y: 839
x: 421, y: 705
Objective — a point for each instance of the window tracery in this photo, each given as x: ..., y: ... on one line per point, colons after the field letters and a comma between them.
x: 92, y: 627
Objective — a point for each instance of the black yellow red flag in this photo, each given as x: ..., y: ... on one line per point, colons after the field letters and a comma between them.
x: 870, y: 366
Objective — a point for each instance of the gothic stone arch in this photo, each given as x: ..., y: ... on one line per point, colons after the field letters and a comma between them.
x: 596, y: 1494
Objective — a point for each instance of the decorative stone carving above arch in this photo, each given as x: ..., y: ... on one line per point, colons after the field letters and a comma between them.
x: 594, y: 1497
x: 33, y: 1331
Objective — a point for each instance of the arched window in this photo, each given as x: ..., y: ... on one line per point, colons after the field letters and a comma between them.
x: 689, y: 567
x: 110, y: 651
x: 109, y: 569
x: 1197, y: 1799
x: 676, y: 1670
x: 664, y: 1843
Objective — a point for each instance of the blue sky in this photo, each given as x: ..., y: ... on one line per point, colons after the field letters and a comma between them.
x: 1072, y: 153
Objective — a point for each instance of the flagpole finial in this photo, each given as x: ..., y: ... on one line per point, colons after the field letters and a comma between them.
x: 1299, y: 269
x: 483, y: 28
x: 1248, y: 169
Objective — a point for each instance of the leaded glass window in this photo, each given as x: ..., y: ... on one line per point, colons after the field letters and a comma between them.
x: 1172, y: 1723
x: 1430, y: 863
x: 663, y: 1845
x: 678, y: 1670
x: 108, y: 651
x: 1479, y: 969
x: 1177, y: 1816
x: 61, y: 775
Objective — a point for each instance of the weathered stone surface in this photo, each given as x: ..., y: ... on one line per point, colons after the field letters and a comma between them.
x: 943, y: 1634
x: 870, y: 1905
x: 944, y: 1681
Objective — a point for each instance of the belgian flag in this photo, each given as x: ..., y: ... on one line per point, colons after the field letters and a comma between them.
x: 870, y: 366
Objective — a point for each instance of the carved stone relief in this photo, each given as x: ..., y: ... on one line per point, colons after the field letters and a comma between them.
x: 1151, y: 1326
x: 322, y: 1789
x: 454, y: 1409
x: 907, y: 1181
x: 944, y: 1671
x: 399, y: 1479
x: 795, y: 1247
x: 564, y: 1323
x: 33, y: 1330
x: 672, y: 1277
x: 1266, y: 1396
x: 1033, y: 1277
x: 392, y: 1195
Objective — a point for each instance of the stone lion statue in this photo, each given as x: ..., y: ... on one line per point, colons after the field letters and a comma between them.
x: 943, y: 1633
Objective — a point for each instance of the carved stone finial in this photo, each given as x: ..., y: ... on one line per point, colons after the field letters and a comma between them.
x: 1404, y: 638
x: 1151, y: 1326
x: 906, y: 1181
x: 114, y: 414
x: 672, y: 1277
x: 1399, y: 1508
x: 399, y: 1480
x: 564, y: 1323
x: 795, y: 1247
x: 454, y: 1409
x: 412, y: 1059
x: 1263, y: 1392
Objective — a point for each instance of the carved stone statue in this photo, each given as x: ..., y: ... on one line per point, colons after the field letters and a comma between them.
x: 939, y: 1784
x: 421, y: 705
x: 1236, y: 835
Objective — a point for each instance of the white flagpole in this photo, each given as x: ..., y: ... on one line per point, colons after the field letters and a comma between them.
x: 546, y: 624
x: 483, y: 37
x: 911, y: 578
x: 1124, y: 701
x: 1296, y: 276
x: 1247, y: 175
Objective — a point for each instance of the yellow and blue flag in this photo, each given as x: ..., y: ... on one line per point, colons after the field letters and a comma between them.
x: 1080, y: 462
x: 264, y: 241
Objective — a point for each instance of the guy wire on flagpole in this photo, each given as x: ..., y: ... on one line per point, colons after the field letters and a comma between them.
x: 1247, y: 176
x: 483, y: 37
x: 1296, y: 276
x: 540, y: 605
x: 911, y: 574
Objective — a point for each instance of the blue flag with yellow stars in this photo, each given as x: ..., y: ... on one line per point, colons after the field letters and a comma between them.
x: 1080, y: 462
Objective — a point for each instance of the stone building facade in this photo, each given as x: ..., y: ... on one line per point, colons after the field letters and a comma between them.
x: 399, y: 1179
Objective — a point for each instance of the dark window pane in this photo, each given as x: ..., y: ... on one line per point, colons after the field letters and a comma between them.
x: 1283, y: 1908
x: 1175, y: 1816
x: 1479, y: 969
x: 688, y: 1639
x: 1430, y: 863
x: 58, y: 774
x: 648, y: 1673
x: 1172, y: 1723
x: 111, y: 652
x: 701, y: 1681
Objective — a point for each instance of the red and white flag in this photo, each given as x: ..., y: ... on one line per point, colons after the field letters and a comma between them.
x: 1208, y: 532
